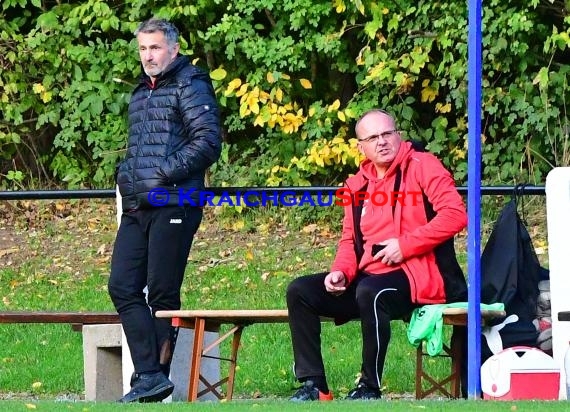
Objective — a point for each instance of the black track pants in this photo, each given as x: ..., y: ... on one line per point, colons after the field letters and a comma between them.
x: 151, y: 249
x: 374, y: 299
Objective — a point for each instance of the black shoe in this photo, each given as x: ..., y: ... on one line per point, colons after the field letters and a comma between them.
x: 364, y: 392
x: 148, y: 387
x: 309, y: 392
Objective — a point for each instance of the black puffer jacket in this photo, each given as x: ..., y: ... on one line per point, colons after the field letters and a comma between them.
x: 174, y: 136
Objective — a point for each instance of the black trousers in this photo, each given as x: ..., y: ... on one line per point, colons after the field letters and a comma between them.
x: 374, y: 299
x: 151, y: 249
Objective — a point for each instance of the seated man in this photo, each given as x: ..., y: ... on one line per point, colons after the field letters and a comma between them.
x: 396, y: 252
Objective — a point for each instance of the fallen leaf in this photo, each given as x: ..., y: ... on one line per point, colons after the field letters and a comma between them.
x: 309, y: 228
x: 5, y: 252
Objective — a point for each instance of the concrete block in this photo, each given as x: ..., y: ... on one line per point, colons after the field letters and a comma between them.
x: 102, y: 366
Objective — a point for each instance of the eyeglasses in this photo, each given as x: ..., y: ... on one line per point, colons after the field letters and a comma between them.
x: 374, y: 138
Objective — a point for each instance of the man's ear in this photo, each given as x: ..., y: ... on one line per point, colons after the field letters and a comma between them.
x: 175, y: 50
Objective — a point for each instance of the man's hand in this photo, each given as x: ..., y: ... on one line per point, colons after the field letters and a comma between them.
x: 391, y: 254
x: 335, y: 282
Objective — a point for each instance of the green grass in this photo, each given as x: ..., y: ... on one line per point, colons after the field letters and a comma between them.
x: 55, y: 256
x: 285, y: 406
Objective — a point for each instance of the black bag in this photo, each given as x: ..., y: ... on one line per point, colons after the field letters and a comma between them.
x: 510, y: 272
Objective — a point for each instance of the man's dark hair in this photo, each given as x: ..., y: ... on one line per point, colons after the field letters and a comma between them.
x: 153, y: 25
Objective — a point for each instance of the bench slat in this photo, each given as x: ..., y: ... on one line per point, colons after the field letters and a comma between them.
x: 229, y: 316
x: 84, y: 318
x: 485, y: 313
x: 281, y: 315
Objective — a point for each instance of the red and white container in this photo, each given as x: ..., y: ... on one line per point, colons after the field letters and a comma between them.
x: 520, y: 373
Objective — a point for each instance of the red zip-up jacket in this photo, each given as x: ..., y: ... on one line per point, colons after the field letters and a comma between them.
x: 426, y: 242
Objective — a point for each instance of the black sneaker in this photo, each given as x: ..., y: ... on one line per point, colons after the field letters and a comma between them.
x: 148, y: 387
x: 309, y: 392
x: 364, y: 392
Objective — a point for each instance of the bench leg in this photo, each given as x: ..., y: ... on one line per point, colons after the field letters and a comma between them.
x: 457, y: 345
x: 197, y: 348
x: 455, y: 352
x: 419, y: 370
x: 233, y: 362
x: 199, y: 352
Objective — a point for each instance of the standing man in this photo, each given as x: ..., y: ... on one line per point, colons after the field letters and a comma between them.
x: 174, y: 136
x: 396, y: 252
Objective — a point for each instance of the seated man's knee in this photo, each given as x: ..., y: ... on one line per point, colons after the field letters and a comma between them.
x: 365, y: 294
x: 294, y: 290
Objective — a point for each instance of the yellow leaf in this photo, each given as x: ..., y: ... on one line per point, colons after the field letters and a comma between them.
x: 258, y: 121
x: 234, y: 84
x: 279, y: 94
x: 270, y: 77
x: 306, y: 83
x: 38, y: 88
x: 443, y: 108
x: 254, y: 108
x: 341, y: 116
x: 428, y: 94
x: 339, y: 6
x: 36, y: 385
x: 310, y: 228
x: 242, y: 90
x: 218, y: 74
x: 243, y: 110
x: 30, y: 406
x: 249, y: 255
x: 46, y: 97
x: 238, y: 225
x: 334, y: 106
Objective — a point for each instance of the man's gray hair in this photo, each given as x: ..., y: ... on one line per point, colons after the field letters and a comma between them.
x: 153, y: 25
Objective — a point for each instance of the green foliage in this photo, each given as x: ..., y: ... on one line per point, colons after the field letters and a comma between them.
x: 291, y: 79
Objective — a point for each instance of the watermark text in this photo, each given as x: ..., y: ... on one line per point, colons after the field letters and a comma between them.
x: 252, y: 198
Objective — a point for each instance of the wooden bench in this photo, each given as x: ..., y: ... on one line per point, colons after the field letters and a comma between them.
x: 211, y: 320
x: 75, y: 319
x: 102, y: 352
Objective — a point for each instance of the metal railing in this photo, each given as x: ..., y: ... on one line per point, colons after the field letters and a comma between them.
x: 110, y: 193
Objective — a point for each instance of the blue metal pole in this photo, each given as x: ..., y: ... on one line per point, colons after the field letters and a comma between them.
x: 474, y: 201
